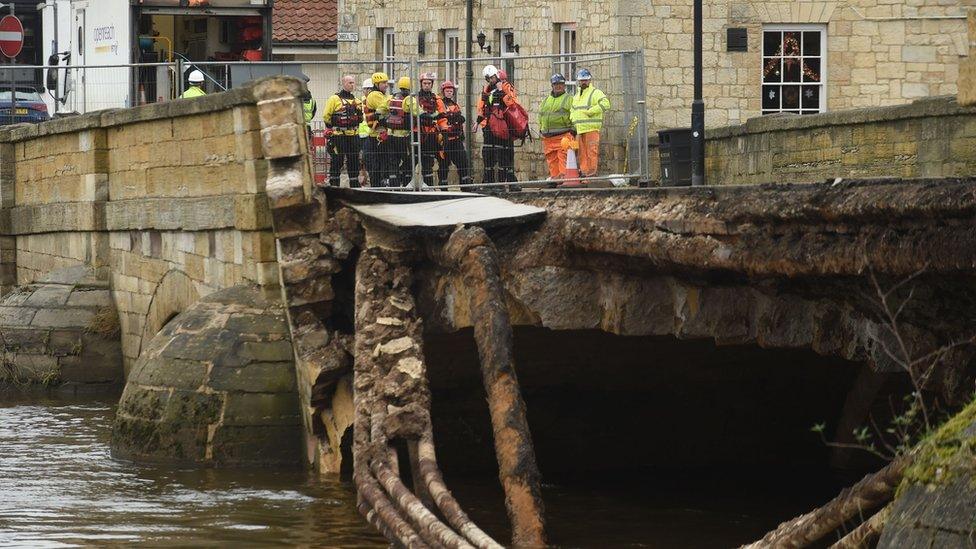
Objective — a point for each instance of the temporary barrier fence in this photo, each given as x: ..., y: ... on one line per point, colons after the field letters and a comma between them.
x: 403, y: 159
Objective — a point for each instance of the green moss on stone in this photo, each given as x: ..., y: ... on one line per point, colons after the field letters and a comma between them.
x: 947, y: 452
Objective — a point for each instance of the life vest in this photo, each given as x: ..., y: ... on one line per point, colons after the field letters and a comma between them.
x: 347, y: 116
x: 455, y: 120
x: 428, y: 104
x: 397, y: 119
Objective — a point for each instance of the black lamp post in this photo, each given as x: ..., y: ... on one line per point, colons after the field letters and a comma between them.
x: 698, y: 108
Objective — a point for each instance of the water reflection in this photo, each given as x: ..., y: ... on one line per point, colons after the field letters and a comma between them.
x: 59, y: 487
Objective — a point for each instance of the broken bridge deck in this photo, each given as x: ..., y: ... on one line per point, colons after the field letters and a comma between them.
x: 424, y: 212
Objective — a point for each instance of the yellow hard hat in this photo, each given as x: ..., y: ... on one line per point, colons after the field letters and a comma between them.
x: 404, y: 83
x: 379, y: 77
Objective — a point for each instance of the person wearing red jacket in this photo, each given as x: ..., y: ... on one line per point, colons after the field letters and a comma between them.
x: 452, y: 139
x: 430, y: 111
x: 498, y: 153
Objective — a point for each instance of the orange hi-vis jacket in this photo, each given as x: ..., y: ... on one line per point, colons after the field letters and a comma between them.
x: 488, y: 100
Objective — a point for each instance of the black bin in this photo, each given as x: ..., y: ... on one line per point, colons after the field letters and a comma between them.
x: 675, y: 153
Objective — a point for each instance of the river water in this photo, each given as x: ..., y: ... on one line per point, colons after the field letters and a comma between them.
x: 59, y: 487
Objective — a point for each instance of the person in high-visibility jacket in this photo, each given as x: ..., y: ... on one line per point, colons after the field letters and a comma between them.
x: 342, y: 116
x: 555, y: 124
x: 429, y: 110
x: 309, y: 107
x: 196, y: 86
x: 496, y: 96
x: 363, y: 131
x: 452, y: 139
x: 397, y: 121
x: 363, y: 126
x: 589, y: 106
x: 374, y: 109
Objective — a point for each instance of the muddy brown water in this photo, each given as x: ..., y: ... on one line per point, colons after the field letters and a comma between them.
x: 59, y: 487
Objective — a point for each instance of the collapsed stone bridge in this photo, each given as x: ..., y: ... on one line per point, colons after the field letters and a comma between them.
x: 238, y: 299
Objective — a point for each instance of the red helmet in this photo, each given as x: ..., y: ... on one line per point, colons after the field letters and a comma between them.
x: 448, y: 84
x: 502, y: 75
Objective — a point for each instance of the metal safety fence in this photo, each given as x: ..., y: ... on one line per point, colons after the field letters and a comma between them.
x: 454, y: 150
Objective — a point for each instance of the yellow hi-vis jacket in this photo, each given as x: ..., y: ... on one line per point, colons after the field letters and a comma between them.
x: 341, y: 111
x: 308, y: 109
x: 588, y: 108
x: 554, y: 115
x: 363, y: 126
x: 193, y: 91
x: 377, y: 103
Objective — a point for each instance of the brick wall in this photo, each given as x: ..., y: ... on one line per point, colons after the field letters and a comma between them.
x: 140, y: 194
x: 933, y: 137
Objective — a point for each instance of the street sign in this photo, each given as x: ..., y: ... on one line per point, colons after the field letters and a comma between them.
x: 11, y: 36
x: 347, y: 37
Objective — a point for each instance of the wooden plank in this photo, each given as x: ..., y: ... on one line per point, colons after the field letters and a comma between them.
x: 483, y: 211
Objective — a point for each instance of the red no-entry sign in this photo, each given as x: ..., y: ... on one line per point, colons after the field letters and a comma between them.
x: 11, y: 36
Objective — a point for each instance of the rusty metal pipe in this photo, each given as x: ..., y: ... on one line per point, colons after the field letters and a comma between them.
x: 474, y: 255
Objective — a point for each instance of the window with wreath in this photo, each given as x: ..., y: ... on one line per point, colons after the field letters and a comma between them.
x: 793, y: 69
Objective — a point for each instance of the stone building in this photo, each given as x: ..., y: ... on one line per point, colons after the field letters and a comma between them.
x: 759, y: 57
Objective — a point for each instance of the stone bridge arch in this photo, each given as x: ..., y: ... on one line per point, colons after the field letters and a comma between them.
x: 175, y: 293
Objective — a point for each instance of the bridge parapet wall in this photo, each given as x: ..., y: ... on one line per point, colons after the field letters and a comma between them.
x: 934, y: 137
x: 171, y: 191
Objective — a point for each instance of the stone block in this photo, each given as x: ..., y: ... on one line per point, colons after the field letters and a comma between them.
x: 248, y: 409
x: 91, y: 369
x: 283, y: 141
x: 37, y: 368
x: 65, y: 342
x: 280, y: 111
x: 24, y: 340
x: 266, y: 351
x: 16, y: 316
x: 260, y: 377
x: 187, y: 375
x: 257, y: 445
x: 63, y: 318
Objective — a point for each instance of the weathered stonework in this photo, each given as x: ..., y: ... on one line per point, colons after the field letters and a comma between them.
x: 166, y: 190
x: 933, y: 137
x: 936, y: 504
x: 216, y: 386
x: 60, y: 333
x: 877, y: 53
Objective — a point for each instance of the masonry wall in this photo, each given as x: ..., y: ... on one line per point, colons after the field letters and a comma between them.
x: 878, y: 52
x: 932, y: 137
x: 165, y: 201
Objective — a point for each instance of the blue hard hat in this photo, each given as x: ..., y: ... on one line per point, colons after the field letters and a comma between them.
x: 557, y: 79
x: 583, y: 74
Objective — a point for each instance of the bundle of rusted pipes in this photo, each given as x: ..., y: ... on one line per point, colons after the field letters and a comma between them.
x: 392, y: 399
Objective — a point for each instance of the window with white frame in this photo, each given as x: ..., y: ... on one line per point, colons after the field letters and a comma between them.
x: 452, y: 50
x: 794, y: 66
x: 507, y: 51
x: 389, y: 51
x: 567, y: 45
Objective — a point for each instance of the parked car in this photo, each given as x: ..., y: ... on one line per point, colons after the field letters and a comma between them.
x: 30, y: 106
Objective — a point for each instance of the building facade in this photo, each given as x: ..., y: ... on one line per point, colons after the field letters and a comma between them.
x: 759, y: 57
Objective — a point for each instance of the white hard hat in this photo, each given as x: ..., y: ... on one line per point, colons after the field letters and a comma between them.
x: 490, y: 70
x: 196, y: 77
x: 368, y: 83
